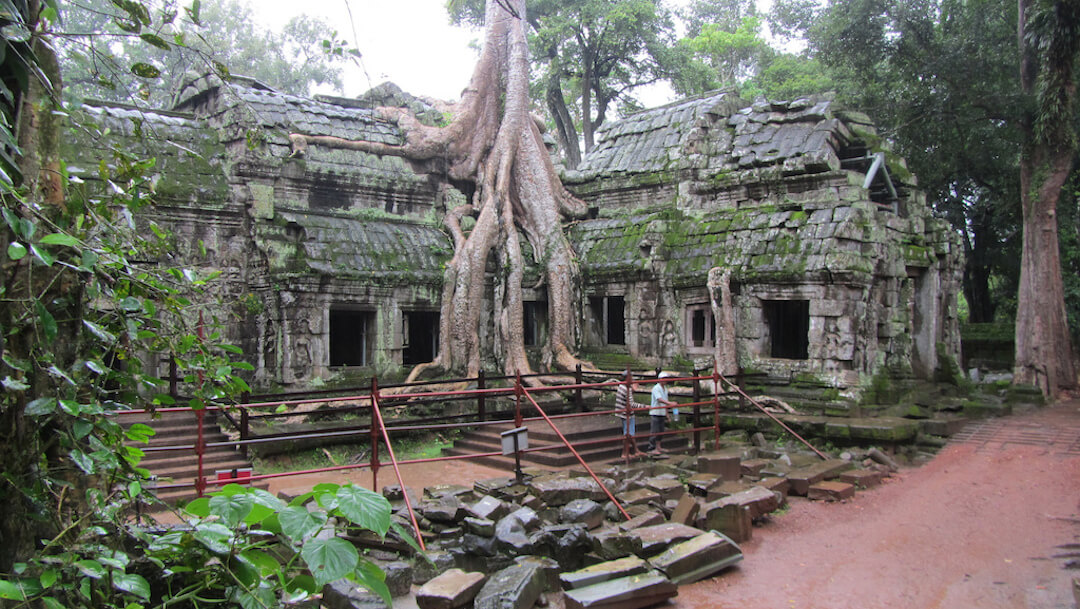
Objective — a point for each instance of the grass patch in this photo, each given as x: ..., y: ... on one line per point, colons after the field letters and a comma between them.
x: 424, y: 446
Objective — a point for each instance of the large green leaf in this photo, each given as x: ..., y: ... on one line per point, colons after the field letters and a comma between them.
x: 231, y: 508
x: 298, y: 523
x: 365, y: 508
x: 329, y: 559
x: 372, y: 577
x: 216, y: 537
x: 130, y: 582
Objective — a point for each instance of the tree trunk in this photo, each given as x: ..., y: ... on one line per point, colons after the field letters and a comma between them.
x: 586, y: 97
x: 977, y: 272
x: 564, y: 123
x: 1044, y: 355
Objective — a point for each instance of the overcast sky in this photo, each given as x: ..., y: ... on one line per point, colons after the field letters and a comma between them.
x: 409, y: 42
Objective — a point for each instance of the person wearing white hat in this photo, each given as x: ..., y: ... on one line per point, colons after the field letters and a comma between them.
x: 658, y: 413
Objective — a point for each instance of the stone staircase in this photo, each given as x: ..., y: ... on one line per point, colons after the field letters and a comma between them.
x: 598, y: 439
x: 179, y: 429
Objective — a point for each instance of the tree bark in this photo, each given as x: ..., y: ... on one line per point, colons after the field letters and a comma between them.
x: 586, y: 94
x: 1044, y: 354
x: 564, y: 123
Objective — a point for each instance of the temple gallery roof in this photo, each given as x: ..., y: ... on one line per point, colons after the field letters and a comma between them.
x: 720, y: 132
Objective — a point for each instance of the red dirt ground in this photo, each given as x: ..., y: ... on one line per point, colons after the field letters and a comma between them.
x: 977, y: 527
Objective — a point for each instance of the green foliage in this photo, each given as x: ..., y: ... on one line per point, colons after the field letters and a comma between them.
x: 240, y: 545
x: 160, y: 47
x: 90, y: 309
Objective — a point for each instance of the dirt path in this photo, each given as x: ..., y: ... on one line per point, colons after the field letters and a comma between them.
x: 978, y: 526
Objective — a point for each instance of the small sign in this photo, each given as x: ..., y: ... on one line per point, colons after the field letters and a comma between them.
x: 509, y: 447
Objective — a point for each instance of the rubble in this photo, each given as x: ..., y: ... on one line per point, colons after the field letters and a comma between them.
x: 557, y: 531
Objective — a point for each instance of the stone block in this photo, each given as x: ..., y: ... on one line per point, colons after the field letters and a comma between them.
x: 515, y: 587
x: 699, y: 484
x: 641, y: 496
x: 446, y: 490
x: 445, y: 510
x: 605, y: 571
x: 658, y: 537
x: 861, y: 478
x: 437, y: 562
x: 753, y: 467
x: 831, y: 490
x: 726, y: 466
x: 779, y: 485
x: 633, y: 592
x: 698, y: 558
x: 492, y: 486
x: 344, y: 594
x: 686, y: 511
x: 642, y: 520
x: 667, y: 488
x: 615, y: 543
x: 582, y: 511
x: 559, y: 490
x: 725, y: 489
x: 758, y: 500
x: 802, y: 479
x: 489, y: 508
x: 480, y: 526
x: 732, y: 520
x: 453, y: 589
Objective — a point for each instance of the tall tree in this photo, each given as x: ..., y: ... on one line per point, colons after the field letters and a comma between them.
x: 1049, y: 39
x: 494, y: 145
x: 939, y: 78
x: 725, y: 47
x: 593, y: 53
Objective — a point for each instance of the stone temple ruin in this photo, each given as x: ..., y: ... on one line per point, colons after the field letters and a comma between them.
x: 332, y: 259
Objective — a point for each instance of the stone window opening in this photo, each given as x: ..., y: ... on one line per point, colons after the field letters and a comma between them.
x: 609, y: 316
x: 534, y: 318
x: 788, y: 326
x: 700, y: 327
x: 419, y: 337
x: 352, y: 338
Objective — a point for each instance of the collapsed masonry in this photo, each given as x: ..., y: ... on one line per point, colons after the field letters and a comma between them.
x: 332, y: 260
x: 499, y: 544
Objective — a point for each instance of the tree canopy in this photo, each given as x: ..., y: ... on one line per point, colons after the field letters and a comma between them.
x: 220, y: 36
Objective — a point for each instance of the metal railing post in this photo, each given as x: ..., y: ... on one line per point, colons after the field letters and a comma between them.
x: 174, y: 381
x: 716, y: 408
x: 481, y: 403
x: 245, y: 424
x: 578, y: 379
x: 375, y: 419
x: 697, y: 411
x: 518, y: 419
x: 629, y: 442
x: 739, y: 382
x: 200, y: 449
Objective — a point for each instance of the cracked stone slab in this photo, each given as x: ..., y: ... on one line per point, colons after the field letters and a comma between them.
x: 698, y: 558
x: 631, y: 592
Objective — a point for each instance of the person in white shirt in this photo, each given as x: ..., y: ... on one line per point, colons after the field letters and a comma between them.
x: 658, y: 413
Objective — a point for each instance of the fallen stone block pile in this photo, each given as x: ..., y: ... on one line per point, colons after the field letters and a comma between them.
x: 503, y: 545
